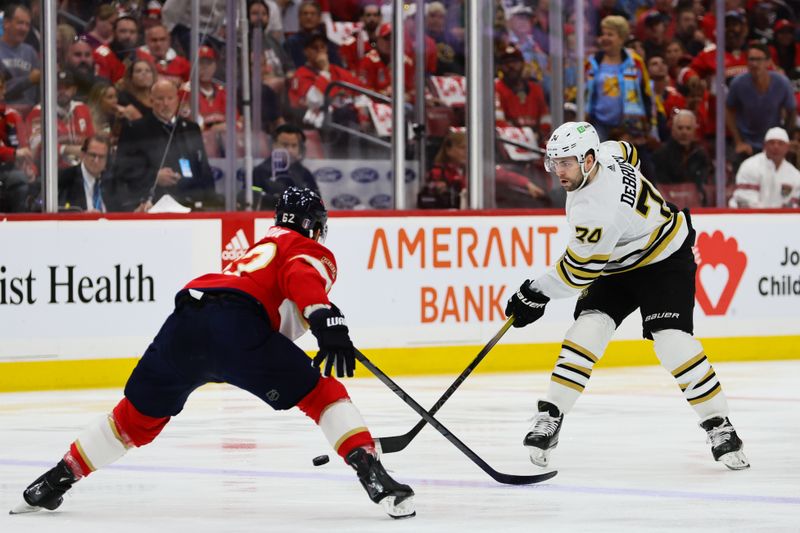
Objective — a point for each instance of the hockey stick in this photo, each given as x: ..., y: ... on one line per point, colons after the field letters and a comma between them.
x: 509, y: 479
x: 397, y: 443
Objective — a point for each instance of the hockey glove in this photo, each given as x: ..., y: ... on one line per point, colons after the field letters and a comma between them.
x: 527, y: 305
x: 335, y: 347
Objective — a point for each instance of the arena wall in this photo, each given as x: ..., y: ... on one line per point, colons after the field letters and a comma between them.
x: 81, y: 296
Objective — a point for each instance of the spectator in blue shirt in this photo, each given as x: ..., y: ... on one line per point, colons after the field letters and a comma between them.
x: 758, y: 100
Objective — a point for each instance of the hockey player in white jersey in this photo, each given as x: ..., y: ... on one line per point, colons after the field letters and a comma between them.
x: 628, y: 250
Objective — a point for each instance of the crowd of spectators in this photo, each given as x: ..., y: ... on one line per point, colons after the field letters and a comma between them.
x: 124, y: 93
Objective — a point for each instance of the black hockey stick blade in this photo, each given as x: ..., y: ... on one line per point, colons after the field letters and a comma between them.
x: 508, y: 479
x: 397, y: 443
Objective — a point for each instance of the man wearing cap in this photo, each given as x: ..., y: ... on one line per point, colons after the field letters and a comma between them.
x: 158, y: 51
x: 766, y: 179
x: 212, y: 94
x: 786, y: 52
x: 705, y: 63
x: 758, y: 100
x: 310, y: 81
x: 519, y: 101
x: 375, y: 69
x: 74, y: 122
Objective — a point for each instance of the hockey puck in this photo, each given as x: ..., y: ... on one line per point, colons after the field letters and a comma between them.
x: 320, y: 460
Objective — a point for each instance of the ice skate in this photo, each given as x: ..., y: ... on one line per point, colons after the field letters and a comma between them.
x: 726, y: 446
x: 543, y: 436
x: 397, y: 499
x: 47, y: 492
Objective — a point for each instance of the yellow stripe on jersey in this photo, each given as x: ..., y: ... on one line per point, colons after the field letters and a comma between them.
x: 575, y: 258
x: 648, y: 254
x: 581, y: 273
x: 564, y: 275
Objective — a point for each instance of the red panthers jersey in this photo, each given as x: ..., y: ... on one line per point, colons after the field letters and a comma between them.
x: 172, y: 67
x: 285, y: 271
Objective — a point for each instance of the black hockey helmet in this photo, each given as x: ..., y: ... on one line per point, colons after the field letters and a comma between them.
x: 303, y: 211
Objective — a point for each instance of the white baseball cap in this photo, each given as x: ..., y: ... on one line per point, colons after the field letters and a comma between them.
x: 776, y: 134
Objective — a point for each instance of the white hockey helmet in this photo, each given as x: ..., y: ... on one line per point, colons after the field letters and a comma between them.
x: 572, y: 139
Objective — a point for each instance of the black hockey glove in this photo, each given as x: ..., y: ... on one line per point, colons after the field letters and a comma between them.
x: 527, y: 305
x: 335, y: 346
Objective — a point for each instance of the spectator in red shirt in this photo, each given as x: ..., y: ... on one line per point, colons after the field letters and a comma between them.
x: 16, y: 159
x: 158, y: 51
x: 112, y: 59
x: 74, y: 122
x: 312, y: 79
x: 212, y: 94
x: 786, y: 52
x: 375, y: 69
x: 359, y: 44
x: 519, y: 101
x: 705, y: 63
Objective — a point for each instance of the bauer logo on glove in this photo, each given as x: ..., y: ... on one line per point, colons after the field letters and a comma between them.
x: 527, y: 305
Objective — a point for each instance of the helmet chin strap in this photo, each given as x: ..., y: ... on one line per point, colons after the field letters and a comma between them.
x: 586, y: 174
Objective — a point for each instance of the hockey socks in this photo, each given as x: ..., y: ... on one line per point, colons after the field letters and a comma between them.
x: 583, y: 346
x: 683, y: 356
x: 330, y: 407
x: 98, y: 445
x: 110, y: 438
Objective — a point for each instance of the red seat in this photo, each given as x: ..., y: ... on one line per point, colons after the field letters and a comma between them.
x: 711, y: 194
x: 681, y: 194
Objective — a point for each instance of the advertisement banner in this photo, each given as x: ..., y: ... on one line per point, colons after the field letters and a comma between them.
x: 95, y: 288
x: 101, y: 288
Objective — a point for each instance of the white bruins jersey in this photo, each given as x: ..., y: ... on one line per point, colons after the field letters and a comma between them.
x: 618, y: 222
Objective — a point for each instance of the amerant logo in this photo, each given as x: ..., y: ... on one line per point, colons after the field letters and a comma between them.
x: 720, y: 267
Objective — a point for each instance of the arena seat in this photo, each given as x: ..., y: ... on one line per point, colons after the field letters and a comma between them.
x: 681, y: 194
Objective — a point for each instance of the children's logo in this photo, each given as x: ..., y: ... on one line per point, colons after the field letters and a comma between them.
x: 720, y: 266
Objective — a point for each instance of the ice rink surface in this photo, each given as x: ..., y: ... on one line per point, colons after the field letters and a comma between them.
x: 631, y: 458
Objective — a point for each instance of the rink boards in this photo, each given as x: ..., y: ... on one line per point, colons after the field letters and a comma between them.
x: 81, y: 297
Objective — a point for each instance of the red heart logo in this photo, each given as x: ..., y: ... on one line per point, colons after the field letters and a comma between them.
x: 715, y: 250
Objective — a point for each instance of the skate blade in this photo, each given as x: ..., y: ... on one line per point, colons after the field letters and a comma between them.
x: 24, y: 508
x: 735, y: 460
x: 538, y: 456
x: 403, y: 509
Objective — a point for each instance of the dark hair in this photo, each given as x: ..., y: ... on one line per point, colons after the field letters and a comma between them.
x: 126, y: 17
x: 757, y: 45
x: 97, y: 137
x: 11, y: 11
x: 289, y: 129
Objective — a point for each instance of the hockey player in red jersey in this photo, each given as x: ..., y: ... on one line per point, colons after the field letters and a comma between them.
x: 238, y: 327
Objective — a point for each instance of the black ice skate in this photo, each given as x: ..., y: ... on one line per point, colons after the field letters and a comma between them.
x: 543, y: 436
x: 726, y: 446
x: 47, y: 492
x: 397, y: 499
